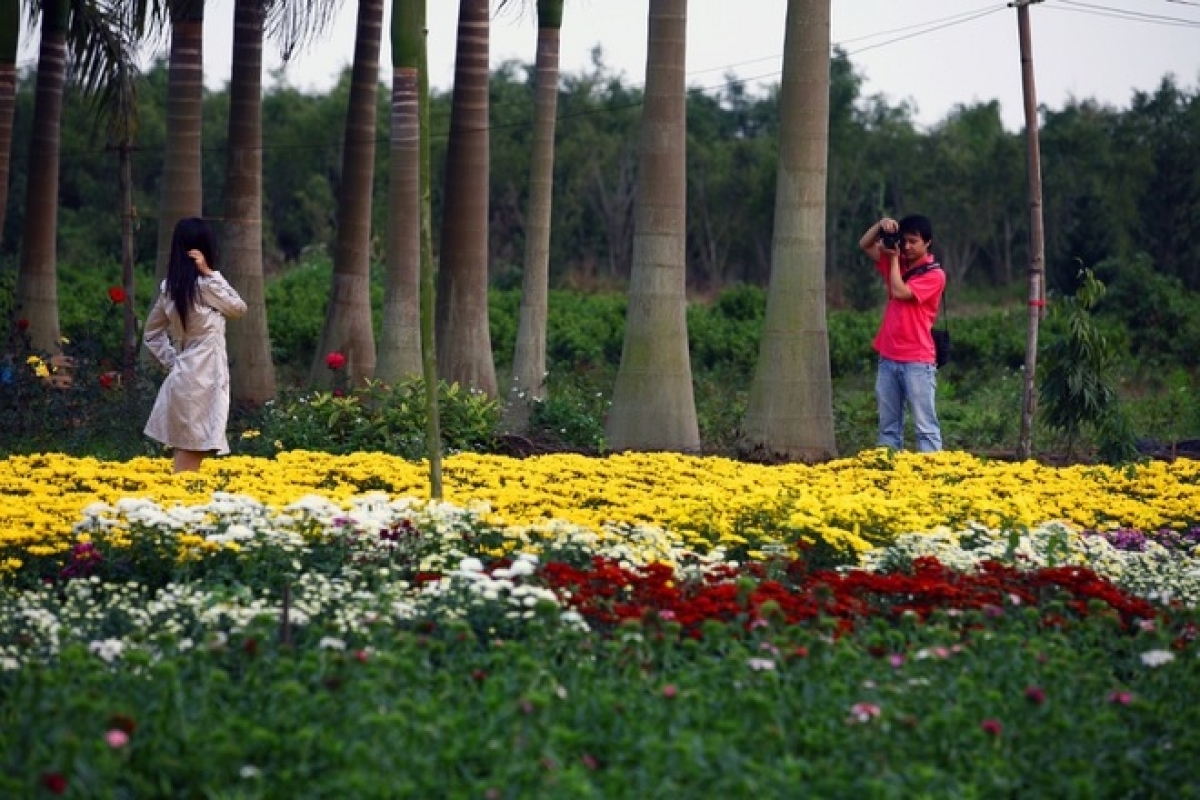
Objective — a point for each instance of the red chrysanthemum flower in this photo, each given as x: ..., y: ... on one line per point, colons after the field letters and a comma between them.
x: 116, y: 294
x: 335, y: 360
x: 55, y: 782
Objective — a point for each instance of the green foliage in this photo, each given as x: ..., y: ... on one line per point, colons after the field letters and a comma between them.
x: 725, y: 334
x: 1156, y: 310
x: 989, y: 342
x: 296, y: 306
x: 572, y: 417
x: 377, y: 417
x: 1078, y: 388
x: 75, y: 401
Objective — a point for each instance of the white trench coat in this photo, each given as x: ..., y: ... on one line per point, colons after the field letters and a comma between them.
x: 192, y: 408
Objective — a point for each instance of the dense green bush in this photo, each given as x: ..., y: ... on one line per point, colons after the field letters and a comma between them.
x: 375, y: 418
x: 1158, y: 313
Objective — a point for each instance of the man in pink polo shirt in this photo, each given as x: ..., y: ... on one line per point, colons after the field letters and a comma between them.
x: 907, y: 373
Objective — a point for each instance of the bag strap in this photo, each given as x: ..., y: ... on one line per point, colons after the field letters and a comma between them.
x: 942, y: 313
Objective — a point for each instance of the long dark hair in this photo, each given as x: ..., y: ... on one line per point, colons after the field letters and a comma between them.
x: 191, y: 233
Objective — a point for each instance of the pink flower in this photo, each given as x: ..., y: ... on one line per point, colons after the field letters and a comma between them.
x: 116, y: 738
x: 669, y: 691
x: 864, y: 712
x: 896, y: 660
x: 589, y: 761
x: 335, y: 361
x: 1035, y: 695
x: 1120, y: 698
x: 992, y: 727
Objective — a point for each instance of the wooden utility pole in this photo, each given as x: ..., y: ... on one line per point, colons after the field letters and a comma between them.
x: 1037, y: 246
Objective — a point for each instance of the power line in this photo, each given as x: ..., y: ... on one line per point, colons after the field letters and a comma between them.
x: 1126, y: 14
x: 971, y: 18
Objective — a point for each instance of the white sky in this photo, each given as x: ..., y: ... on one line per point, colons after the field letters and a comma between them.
x: 936, y: 53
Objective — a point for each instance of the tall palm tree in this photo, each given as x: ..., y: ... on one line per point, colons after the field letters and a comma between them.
x: 37, y: 277
x: 790, y: 408
x: 348, y: 325
x: 464, y: 344
x: 400, y: 335
x: 529, y: 362
x: 182, y: 192
x: 10, y: 39
x: 653, y: 405
x: 252, y: 373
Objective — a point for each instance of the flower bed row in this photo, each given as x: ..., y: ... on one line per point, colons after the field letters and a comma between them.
x: 848, y: 506
x: 349, y: 642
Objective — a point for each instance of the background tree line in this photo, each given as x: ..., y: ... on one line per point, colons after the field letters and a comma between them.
x: 1116, y: 181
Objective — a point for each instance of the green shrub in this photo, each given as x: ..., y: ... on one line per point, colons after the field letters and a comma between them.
x: 572, y: 417
x: 296, y: 305
x: 1155, y: 309
x: 1077, y: 388
x: 375, y: 418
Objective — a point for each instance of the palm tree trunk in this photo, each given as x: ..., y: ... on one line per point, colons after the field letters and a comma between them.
x: 464, y: 343
x: 348, y: 325
x: 790, y: 408
x: 182, y: 184
x: 653, y: 406
x: 400, y: 337
x: 10, y: 38
x: 529, y: 362
x: 252, y: 374
x: 37, y: 275
x: 129, y: 342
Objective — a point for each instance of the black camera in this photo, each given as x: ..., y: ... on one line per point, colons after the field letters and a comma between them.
x: 891, y: 241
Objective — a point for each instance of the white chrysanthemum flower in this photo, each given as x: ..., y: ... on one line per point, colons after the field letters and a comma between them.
x: 1156, y: 658
x: 108, y: 650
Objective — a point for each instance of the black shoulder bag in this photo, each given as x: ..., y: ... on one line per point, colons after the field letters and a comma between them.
x: 941, y: 337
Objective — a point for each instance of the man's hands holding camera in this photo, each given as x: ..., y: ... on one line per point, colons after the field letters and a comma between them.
x: 890, y: 237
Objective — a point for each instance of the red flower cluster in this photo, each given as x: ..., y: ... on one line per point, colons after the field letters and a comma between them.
x: 606, y: 594
x: 335, y: 361
x: 116, y: 294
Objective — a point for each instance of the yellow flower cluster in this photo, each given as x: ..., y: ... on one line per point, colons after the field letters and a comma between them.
x: 851, y: 504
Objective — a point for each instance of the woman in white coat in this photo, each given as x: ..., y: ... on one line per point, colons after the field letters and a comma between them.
x: 186, y: 333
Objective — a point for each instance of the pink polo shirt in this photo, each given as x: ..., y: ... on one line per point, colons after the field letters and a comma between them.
x: 904, y: 334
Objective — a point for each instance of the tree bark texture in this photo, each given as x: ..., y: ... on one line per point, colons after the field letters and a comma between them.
x: 653, y: 406
x: 464, y: 344
x: 790, y: 408
x: 252, y: 373
x: 348, y: 325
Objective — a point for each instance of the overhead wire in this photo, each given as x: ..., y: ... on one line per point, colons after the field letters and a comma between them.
x: 1122, y: 13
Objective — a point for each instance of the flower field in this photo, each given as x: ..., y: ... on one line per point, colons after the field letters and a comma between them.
x: 889, y: 625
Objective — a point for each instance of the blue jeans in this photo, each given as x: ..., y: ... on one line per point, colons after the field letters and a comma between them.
x: 898, y: 384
